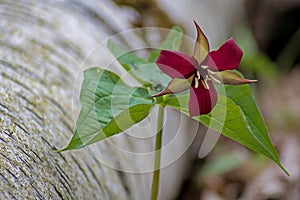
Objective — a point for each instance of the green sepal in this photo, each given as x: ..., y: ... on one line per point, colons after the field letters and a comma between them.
x: 229, y: 77
x: 176, y: 85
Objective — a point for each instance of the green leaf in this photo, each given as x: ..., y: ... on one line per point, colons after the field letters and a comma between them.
x: 109, y: 106
x: 143, y: 72
x: 242, y: 96
x: 236, y: 117
x: 127, y: 59
x: 171, y: 42
x: 147, y: 72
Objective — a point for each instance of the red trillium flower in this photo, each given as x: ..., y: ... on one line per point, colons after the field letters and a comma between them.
x: 201, y: 71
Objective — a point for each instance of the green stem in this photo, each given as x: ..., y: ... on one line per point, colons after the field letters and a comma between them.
x: 157, y: 154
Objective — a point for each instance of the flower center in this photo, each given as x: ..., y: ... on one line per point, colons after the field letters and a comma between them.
x: 203, y: 76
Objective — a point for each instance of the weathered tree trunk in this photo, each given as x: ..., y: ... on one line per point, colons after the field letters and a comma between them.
x: 42, y: 44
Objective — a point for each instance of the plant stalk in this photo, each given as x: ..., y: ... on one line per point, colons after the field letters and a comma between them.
x: 157, y: 154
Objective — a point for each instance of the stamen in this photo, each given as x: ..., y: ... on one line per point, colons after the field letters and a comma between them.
x: 214, y: 76
x: 196, y: 83
x: 215, y: 80
x: 204, y: 66
x: 205, y: 84
x: 211, y: 72
x: 198, y: 75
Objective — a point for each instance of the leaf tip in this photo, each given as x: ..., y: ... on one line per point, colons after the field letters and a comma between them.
x: 284, y: 169
x: 61, y: 150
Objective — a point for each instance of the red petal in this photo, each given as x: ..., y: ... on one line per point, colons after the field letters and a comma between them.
x: 202, y: 100
x: 176, y: 64
x: 227, y: 57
